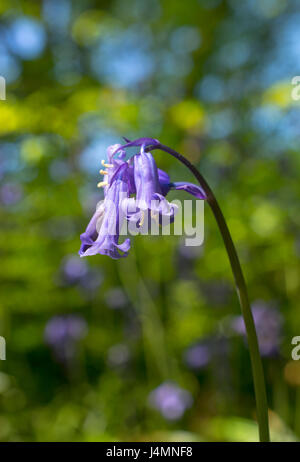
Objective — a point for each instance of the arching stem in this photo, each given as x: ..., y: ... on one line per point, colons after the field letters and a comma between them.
x: 256, y: 363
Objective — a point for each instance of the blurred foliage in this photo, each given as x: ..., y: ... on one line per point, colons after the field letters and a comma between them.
x: 210, y: 78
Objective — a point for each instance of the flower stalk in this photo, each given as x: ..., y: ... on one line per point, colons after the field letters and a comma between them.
x: 256, y: 362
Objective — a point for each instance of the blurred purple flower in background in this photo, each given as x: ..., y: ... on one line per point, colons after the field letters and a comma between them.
x: 75, y: 271
x: 116, y: 298
x: 268, y: 322
x: 10, y: 194
x: 91, y: 282
x: 170, y: 400
x: 62, y: 334
x: 198, y: 356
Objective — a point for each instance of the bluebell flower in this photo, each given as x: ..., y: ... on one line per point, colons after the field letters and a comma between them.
x: 102, y: 233
x: 113, y: 166
x: 268, y: 323
x: 10, y: 194
x: 198, y: 356
x: 164, y: 180
x: 170, y: 400
x: 116, y: 298
x: 74, y: 269
x: 134, y: 191
x: 62, y: 334
x: 149, y: 200
x: 166, y: 185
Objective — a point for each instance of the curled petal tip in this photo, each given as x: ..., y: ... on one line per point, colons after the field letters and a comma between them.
x: 191, y: 188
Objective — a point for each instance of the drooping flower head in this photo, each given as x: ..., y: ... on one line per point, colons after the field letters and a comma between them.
x: 134, y: 191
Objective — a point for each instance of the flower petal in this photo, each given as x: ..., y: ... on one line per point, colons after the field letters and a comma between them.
x: 125, y: 246
x: 164, y: 181
x: 191, y: 188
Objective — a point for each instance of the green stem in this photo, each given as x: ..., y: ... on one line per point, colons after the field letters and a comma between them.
x: 257, y: 368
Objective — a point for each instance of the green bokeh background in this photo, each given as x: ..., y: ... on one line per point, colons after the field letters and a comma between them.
x: 211, y: 79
